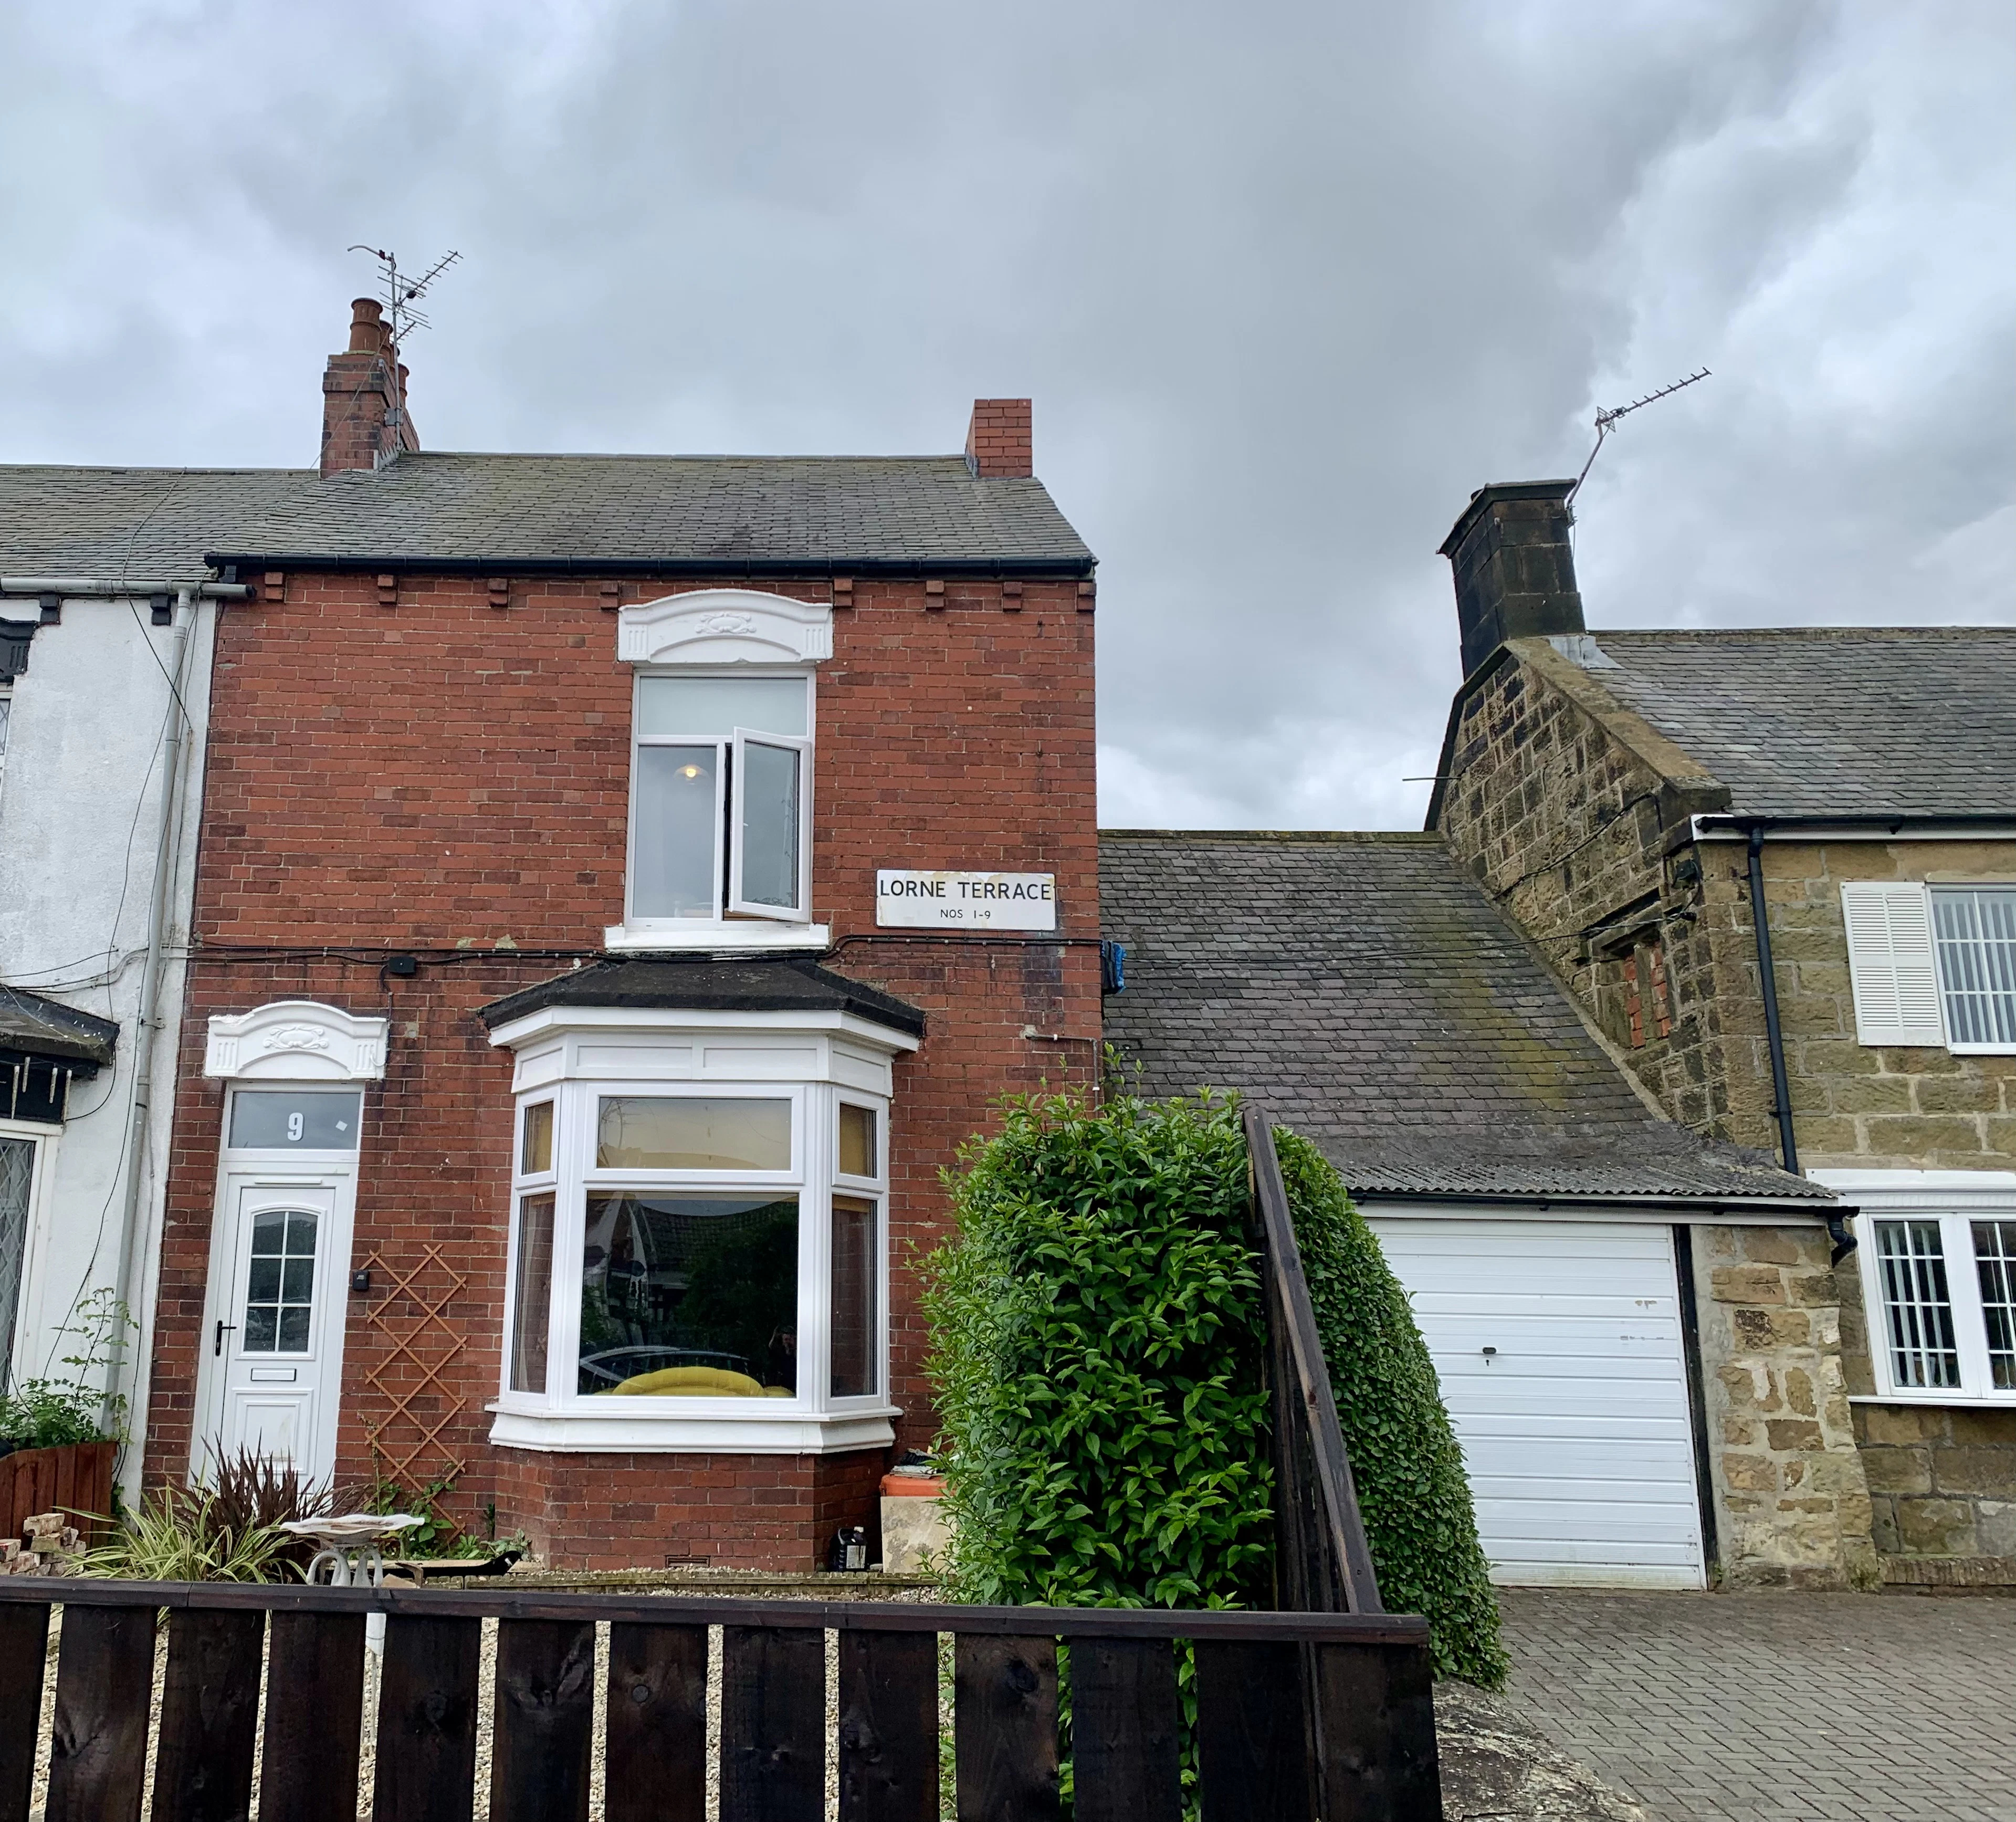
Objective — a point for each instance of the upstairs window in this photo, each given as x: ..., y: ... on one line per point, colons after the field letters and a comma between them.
x: 1932, y: 967
x: 721, y: 799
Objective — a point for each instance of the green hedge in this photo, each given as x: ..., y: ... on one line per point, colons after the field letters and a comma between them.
x: 1097, y: 1333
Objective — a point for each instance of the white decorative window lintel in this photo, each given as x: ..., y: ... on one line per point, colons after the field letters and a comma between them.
x: 295, y: 1040
x: 724, y: 626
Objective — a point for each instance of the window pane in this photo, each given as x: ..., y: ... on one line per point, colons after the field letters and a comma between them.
x: 770, y: 824
x: 679, y: 826
x: 1976, y: 932
x: 692, y: 1133
x: 295, y: 1119
x: 1917, y: 1308
x: 1995, y: 1258
x: 280, y: 1291
x: 17, y: 1166
x: 689, y: 1296
x: 856, y: 1281
x: 535, y: 1154
x: 718, y: 706
x: 857, y: 1141
x: 532, y: 1305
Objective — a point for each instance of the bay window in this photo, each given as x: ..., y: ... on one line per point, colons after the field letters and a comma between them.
x: 698, y: 1254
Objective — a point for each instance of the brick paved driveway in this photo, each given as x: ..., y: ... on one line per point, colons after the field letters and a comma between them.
x: 1778, y: 1707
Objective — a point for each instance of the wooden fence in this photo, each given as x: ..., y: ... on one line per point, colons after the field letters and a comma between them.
x: 1370, y: 1689
x: 75, y: 1480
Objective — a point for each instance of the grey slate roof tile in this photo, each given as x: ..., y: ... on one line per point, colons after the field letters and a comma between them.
x: 1367, y: 993
x: 1834, y: 721
x: 819, y: 511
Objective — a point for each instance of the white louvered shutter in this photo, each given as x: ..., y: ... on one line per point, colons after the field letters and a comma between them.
x: 1891, y: 963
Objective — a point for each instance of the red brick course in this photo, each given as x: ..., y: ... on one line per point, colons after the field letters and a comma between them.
x: 414, y: 769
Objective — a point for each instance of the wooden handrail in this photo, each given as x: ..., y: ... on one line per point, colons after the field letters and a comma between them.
x: 1323, y: 1562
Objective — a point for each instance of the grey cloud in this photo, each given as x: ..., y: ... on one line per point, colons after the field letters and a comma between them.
x: 1286, y: 282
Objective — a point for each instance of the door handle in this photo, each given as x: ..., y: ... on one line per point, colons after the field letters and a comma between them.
x: 217, y: 1349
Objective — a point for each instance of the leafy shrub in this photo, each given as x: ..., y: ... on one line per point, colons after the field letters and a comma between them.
x: 1412, y: 1488
x: 55, y: 1413
x: 1096, y: 1353
x: 184, y: 1535
x: 251, y: 1493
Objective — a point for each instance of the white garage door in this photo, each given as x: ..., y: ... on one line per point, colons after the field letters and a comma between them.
x: 1559, y: 1348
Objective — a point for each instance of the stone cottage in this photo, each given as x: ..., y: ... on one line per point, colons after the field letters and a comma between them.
x: 1631, y: 799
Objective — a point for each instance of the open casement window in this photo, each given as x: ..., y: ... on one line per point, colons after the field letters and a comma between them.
x: 1932, y: 966
x: 696, y: 1266
x: 721, y: 800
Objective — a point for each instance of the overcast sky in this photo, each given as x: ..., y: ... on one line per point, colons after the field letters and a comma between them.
x: 1285, y: 281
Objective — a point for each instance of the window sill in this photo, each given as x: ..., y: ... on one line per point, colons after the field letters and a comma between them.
x: 693, y: 1433
x: 2002, y: 1401
x: 739, y: 937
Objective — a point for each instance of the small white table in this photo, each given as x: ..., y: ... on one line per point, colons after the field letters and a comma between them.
x: 348, y: 1555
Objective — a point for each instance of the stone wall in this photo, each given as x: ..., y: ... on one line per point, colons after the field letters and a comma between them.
x: 1792, y: 1503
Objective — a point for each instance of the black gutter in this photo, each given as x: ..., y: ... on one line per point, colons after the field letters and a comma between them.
x: 1774, y: 1037
x: 1894, y: 821
x: 1812, y: 1208
x: 809, y: 565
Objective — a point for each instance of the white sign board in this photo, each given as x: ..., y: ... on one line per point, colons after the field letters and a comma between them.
x: 965, y: 901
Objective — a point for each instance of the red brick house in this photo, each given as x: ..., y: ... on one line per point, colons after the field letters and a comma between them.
x: 558, y: 1112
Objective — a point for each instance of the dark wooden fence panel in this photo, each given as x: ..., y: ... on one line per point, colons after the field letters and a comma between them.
x: 210, y: 1716
x: 104, y: 1682
x: 1252, y: 1733
x: 1377, y: 1754
x: 426, y: 1720
x: 1005, y: 1728
x: 772, y: 1724
x: 75, y: 1479
x: 314, y: 1718
x: 545, y: 1721
x: 24, y: 1646
x: 655, y: 1768
x: 889, y: 1727
x: 1125, y: 1744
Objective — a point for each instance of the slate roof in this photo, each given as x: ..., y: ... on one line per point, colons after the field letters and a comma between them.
x: 778, y: 983
x: 1367, y: 993
x: 47, y: 1027
x: 726, y: 513
x: 1834, y: 721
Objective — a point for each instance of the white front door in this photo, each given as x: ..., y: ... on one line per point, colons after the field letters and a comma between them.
x: 274, y: 1347
x: 1559, y: 1348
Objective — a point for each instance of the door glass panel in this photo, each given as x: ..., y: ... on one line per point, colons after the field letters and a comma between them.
x: 17, y: 1170
x: 280, y: 1294
x: 855, y: 1282
x: 692, y: 1133
x: 295, y: 1119
x: 770, y: 823
x: 690, y: 1296
x: 857, y: 1141
x: 679, y: 826
x: 718, y: 706
x: 532, y: 1305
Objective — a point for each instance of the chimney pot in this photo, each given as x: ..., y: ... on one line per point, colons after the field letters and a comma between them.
x: 367, y: 326
x: 1513, y: 566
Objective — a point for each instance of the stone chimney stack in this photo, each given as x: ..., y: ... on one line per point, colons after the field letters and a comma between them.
x: 1514, y: 566
x: 999, y: 443
x: 365, y: 422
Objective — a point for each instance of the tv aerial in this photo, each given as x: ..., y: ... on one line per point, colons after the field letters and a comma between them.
x: 1606, y: 421
x: 402, y: 288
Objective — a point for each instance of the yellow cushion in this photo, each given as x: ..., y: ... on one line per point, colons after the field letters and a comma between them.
x: 689, y: 1382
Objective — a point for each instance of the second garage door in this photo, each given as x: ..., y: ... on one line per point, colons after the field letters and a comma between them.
x: 1559, y: 1347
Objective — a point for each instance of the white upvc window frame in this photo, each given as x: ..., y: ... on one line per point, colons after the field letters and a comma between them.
x: 45, y: 1140
x: 813, y: 1420
x: 1896, y: 966
x: 740, y: 903
x: 1954, y: 1200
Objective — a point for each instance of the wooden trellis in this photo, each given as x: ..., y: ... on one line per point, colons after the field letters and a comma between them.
x: 420, y: 1345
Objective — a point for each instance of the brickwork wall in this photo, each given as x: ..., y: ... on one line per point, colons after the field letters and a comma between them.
x: 412, y: 767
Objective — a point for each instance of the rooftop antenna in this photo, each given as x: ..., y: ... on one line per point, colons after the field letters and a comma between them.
x: 1606, y: 421
x: 400, y: 288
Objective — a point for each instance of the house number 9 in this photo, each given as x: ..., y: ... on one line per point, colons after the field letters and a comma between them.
x: 294, y: 1126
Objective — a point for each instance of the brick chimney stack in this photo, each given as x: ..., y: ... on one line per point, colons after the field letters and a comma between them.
x: 1514, y: 566
x: 364, y: 423
x: 999, y: 443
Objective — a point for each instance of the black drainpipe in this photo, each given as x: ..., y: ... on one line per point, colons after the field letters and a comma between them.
x: 1774, y: 1038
